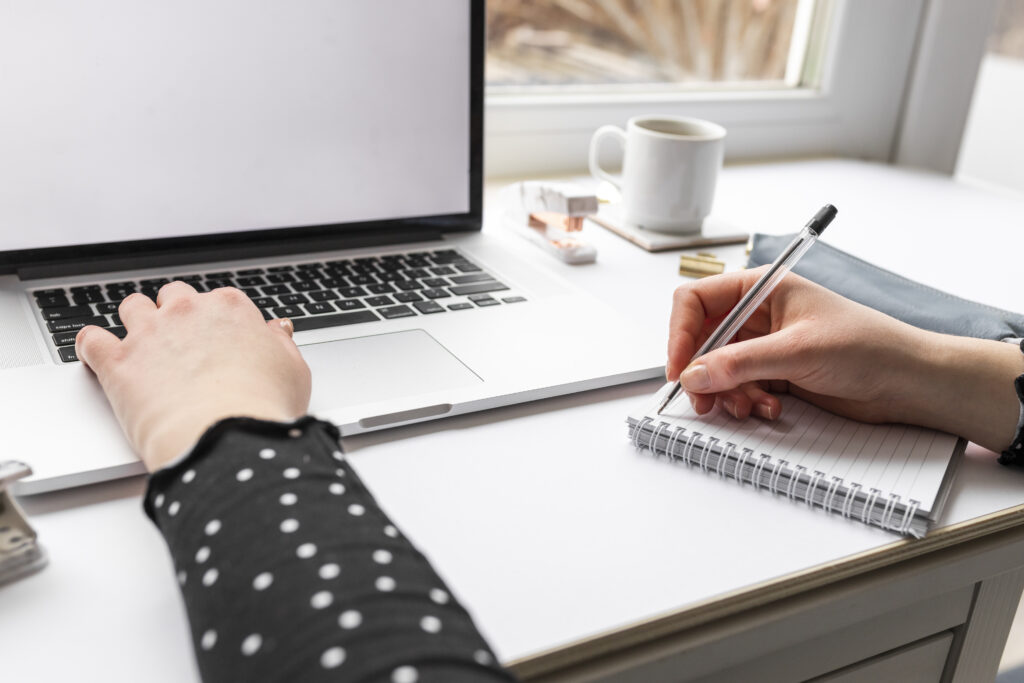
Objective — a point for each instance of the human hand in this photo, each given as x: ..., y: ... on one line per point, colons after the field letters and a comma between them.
x: 805, y: 339
x: 190, y: 360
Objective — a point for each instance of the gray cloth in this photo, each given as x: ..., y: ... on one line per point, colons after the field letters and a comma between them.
x: 892, y: 294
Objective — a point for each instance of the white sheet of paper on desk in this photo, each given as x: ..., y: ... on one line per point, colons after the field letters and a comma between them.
x: 908, y: 462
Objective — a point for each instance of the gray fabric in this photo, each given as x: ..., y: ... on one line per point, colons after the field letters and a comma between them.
x: 904, y: 299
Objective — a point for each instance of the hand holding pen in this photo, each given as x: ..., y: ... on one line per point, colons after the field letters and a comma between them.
x: 757, y: 294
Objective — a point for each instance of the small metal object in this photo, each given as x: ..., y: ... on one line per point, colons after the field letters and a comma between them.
x: 701, y: 265
x: 20, y: 554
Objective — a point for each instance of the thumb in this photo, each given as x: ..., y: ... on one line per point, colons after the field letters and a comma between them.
x: 773, y: 356
x: 95, y: 346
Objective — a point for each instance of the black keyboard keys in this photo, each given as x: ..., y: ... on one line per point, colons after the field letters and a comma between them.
x: 396, y: 312
x: 65, y: 312
x: 334, y: 320
x: 318, y: 307
x: 428, y: 307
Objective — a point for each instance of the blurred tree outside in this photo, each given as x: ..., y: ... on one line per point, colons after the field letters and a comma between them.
x: 600, y: 42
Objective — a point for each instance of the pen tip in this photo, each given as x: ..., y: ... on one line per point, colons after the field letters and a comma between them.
x: 821, y: 220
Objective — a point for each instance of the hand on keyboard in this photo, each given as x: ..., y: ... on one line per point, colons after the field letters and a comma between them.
x: 189, y: 360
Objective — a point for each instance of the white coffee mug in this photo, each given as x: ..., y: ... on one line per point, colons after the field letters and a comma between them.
x: 669, y: 168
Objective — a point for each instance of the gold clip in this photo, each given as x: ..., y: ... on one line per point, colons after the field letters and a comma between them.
x: 701, y: 265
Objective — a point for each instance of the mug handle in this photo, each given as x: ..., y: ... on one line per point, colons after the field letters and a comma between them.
x: 595, y: 145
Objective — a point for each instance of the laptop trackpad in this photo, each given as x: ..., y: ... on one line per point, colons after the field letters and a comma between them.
x: 382, y: 366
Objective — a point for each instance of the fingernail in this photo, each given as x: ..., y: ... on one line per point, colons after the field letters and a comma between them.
x: 729, y: 405
x: 286, y: 323
x: 696, y: 378
x: 765, y: 410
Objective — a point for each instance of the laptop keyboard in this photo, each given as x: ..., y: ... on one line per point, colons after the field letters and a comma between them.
x: 314, y: 295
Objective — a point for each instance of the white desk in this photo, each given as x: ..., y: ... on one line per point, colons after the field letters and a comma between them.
x: 554, y: 531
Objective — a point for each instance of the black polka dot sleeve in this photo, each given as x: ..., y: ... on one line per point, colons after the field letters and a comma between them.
x: 291, y: 572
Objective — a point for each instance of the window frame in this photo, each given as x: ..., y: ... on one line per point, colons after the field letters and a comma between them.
x: 866, y: 62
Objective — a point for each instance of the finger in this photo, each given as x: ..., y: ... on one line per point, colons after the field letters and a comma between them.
x: 702, y: 403
x: 283, y: 326
x: 735, y: 402
x: 95, y: 346
x: 134, y: 309
x: 779, y: 355
x: 694, y: 304
x: 174, y: 291
x: 762, y: 403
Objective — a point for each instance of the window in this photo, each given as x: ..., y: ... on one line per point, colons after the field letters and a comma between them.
x: 785, y: 77
x: 583, y: 43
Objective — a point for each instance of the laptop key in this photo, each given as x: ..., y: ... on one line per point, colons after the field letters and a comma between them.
x: 250, y: 292
x: 276, y: 289
x: 362, y: 279
x: 278, y: 278
x: 52, y: 300
x: 318, y: 307
x: 288, y: 312
x: 396, y: 312
x: 380, y: 301
x: 436, y: 282
x: 428, y: 307
x: 478, y: 288
x: 443, y: 270
x: 265, y: 301
x: 85, y: 288
x: 291, y: 299
x: 383, y: 288
x: 76, y: 323
x: 67, y: 312
x: 64, y: 338
x: 352, y: 292
x: 250, y: 271
x: 513, y: 299
x: 88, y: 297
x: 408, y: 285
x: 222, y: 275
x: 472, y: 277
x: 435, y: 293
x: 116, y: 319
x: 333, y: 282
x: 334, y: 320
x: 407, y: 297
x: 49, y: 292
x: 349, y: 304
x: 118, y: 331
x: 280, y: 269
x: 306, y: 286
x: 157, y: 282
x: 67, y: 354
x: 252, y: 281
x: 467, y: 267
x: 461, y: 306
x: 487, y: 302
x: 323, y: 295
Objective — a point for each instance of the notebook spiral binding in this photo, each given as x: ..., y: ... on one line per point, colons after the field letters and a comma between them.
x: 777, y: 476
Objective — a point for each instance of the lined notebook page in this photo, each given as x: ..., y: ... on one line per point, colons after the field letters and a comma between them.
x: 900, y: 459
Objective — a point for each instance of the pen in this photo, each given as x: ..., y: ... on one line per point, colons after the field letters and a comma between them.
x: 761, y: 289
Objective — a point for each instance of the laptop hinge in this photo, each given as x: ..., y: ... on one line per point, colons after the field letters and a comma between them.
x: 235, y: 252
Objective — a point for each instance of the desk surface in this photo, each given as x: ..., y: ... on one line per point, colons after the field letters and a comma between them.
x: 541, y: 517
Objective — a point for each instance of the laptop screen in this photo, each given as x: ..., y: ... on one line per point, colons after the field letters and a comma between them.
x: 126, y: 121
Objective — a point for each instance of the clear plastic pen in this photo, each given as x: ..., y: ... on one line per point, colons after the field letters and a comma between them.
x: 757, y: 294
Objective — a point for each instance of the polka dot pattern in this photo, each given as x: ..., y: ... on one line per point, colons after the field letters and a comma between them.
x: 227, y: 546
x: 405, y: 674
x: 332, y: 658
x: 321, y: 600
x: 262, y: 581
x: 252, y: 644
x: 350, y: 619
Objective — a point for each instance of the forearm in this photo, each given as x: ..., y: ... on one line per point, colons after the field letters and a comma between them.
x: 290, y: 570
x: 966, y: 387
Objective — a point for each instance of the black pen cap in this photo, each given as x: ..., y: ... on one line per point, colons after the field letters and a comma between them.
x: 822, y: 219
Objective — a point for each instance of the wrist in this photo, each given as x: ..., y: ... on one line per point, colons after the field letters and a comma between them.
x: 965, y: 386
x: 172, y: 436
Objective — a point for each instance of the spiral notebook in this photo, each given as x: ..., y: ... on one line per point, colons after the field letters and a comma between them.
x: 891, y: 475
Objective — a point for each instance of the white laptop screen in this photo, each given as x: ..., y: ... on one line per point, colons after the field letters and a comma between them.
x: 124, y: 120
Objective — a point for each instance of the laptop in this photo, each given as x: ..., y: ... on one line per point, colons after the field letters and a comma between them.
x: 325, y: 158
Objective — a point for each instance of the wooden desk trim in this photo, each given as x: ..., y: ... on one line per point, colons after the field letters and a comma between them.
x: 756, y: 595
